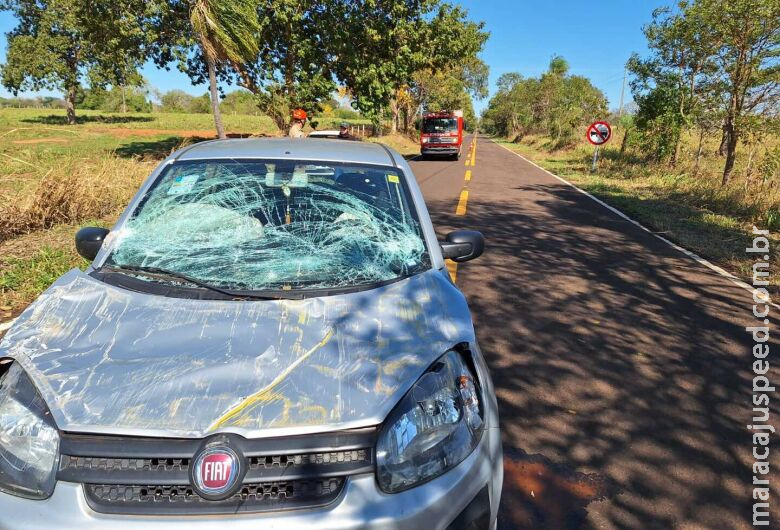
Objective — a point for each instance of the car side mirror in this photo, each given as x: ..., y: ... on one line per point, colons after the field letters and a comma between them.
x: 463, y: 245
x: 89, y: 240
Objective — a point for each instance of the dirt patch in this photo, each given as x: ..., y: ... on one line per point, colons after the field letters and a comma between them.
x: 42, y: 141
x: 542, y: 495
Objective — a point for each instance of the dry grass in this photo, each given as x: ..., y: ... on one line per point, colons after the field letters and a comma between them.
x: 686, y: 204
x: 74, y: 190
x: 403, y: 144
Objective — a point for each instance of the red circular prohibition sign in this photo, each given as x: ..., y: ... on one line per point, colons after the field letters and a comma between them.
x: 595, y: 130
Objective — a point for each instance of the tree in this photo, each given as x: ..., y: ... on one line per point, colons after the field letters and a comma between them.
x: 743, y: 37
x: 56, y: 45
x: 448, y: 89
x: 381, y: 46
x: 202, y: 104
x: 443, y: 90
x: 670, y: 83
x: 226, y: 31
x: 513, y: 110
x: 118, y: 99
x: 292, y: 69
x: 306, y: 48
x: 239, y: 102
x: 716, y: 57
x: 556, y: 104
x: 176, y: 101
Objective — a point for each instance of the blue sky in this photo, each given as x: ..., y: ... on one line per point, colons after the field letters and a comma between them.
x: 596, y: 38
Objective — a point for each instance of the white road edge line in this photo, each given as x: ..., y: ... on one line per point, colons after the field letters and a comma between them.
x: 675, y: 246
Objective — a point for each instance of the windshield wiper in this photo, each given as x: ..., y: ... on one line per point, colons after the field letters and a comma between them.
x: 164, y: 273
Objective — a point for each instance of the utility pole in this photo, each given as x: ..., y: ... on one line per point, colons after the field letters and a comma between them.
x: 622, y: 91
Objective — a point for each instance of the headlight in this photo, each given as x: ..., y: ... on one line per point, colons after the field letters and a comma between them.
x: 425, y: 140
x: 434, y: 427
x: 29, y: 441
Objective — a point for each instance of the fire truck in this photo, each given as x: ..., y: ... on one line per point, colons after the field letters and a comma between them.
x: 441, y: 133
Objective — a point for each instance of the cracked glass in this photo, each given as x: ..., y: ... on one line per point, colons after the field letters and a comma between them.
x: 275, y: 225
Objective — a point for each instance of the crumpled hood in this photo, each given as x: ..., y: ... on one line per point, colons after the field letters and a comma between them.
x: 108, y: 360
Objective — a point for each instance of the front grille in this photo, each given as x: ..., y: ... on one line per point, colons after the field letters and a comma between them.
x: 443, y: 140
x: 335, y: 458
x: 140, y: 476
x: 108, y: 465
x: 183, y: 500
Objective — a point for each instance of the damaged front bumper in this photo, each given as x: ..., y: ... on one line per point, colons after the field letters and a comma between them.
x: 469, y: 493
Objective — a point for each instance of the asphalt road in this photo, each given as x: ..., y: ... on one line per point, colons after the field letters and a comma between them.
x: 622, y: 366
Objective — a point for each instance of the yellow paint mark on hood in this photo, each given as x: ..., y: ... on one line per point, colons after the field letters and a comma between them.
x: 262, y: 394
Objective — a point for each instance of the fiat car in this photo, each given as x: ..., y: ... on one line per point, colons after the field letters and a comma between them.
x: 266, y: 338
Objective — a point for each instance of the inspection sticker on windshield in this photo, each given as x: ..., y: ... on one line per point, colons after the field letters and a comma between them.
x: 393, y: 179
x: 183, y: 184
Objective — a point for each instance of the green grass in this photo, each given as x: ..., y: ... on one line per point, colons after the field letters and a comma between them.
x: 133, y: 120
x: 25, y: 278
x: 685, y: 206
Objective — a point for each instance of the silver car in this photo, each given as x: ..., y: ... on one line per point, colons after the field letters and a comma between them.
x: 267, y: 338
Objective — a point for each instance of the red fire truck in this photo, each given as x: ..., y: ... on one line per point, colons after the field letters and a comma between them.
x: 441, y: 133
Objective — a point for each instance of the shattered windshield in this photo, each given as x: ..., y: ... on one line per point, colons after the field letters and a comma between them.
x: 275, y: 225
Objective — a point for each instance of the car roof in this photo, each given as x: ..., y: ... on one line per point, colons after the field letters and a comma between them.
x: 291, y: 149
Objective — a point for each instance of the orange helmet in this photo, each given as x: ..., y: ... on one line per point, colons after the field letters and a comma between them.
x: 299, y: 114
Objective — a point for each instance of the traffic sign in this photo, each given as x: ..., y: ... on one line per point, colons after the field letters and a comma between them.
x: 599, y: 133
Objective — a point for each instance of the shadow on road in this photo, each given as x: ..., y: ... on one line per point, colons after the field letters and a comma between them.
x: 609, y: 360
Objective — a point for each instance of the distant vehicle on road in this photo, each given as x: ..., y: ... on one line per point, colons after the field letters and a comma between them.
x: 441, y: 134
x: 342, y: 133
x: 328, y: 133
x: 267, y: 338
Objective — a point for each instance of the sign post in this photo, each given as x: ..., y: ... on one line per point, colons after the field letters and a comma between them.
x: 598, y: 134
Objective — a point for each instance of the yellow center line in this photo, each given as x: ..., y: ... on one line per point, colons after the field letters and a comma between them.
x: 462, y: 201
x: 452, y: 268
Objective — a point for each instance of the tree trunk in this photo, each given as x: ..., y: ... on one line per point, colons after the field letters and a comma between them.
x: 407, y: 112
x: 215, y: 99
x: 394, y: 116
x: 70, y: 105
x: 124, y: 100
x: 699, y: 150
x: 724, y: 141
x: 731, y: 151
x: 749, y: 168
x: 624, y: 143
x: 675, y: 152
